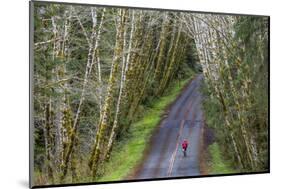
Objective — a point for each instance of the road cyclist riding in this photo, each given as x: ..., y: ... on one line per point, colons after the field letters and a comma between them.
x: 184, y: 146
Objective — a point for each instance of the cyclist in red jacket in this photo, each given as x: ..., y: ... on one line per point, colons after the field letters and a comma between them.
x: 184, y: 146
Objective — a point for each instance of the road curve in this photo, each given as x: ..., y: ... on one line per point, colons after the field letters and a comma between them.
x: 184, y: 120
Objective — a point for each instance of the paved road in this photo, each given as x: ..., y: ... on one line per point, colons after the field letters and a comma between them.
x: 184, y: 120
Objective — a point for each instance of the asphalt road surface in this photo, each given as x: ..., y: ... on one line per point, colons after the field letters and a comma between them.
x: 184, y: 121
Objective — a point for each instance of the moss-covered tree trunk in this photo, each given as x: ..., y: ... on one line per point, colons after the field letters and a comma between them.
x: 100, y: 136
x: 172, y: 59
x: 73, y: 120
x: 115, y: 126
x: 48, y: 144
x: 162, y: 46
x: 135, y: 63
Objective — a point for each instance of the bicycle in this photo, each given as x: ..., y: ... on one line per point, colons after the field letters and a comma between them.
x: 184, y: 152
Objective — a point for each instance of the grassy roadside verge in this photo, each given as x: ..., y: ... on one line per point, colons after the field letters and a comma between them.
x: 129, y: 152
x: 216, y: 161
x: 217, y: 164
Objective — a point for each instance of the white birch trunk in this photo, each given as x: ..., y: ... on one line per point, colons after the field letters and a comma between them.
x: 120, y: 97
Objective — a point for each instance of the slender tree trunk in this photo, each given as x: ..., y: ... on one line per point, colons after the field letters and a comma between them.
x: 47, y: 136
x: 160, y: 57
x: 172, y: 61
x: 120, y: 97
x: 62, y: 90
x: 118, y: 50
x: 94, y: 39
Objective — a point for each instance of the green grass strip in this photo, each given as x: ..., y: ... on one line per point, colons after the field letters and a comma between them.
x: 126, y: 156
x: 218, y: 164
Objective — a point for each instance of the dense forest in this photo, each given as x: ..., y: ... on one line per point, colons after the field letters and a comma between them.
x: 96, y: 70
x: 234, y: 53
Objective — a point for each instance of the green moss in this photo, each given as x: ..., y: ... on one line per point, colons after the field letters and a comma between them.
x: 129, y: 152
